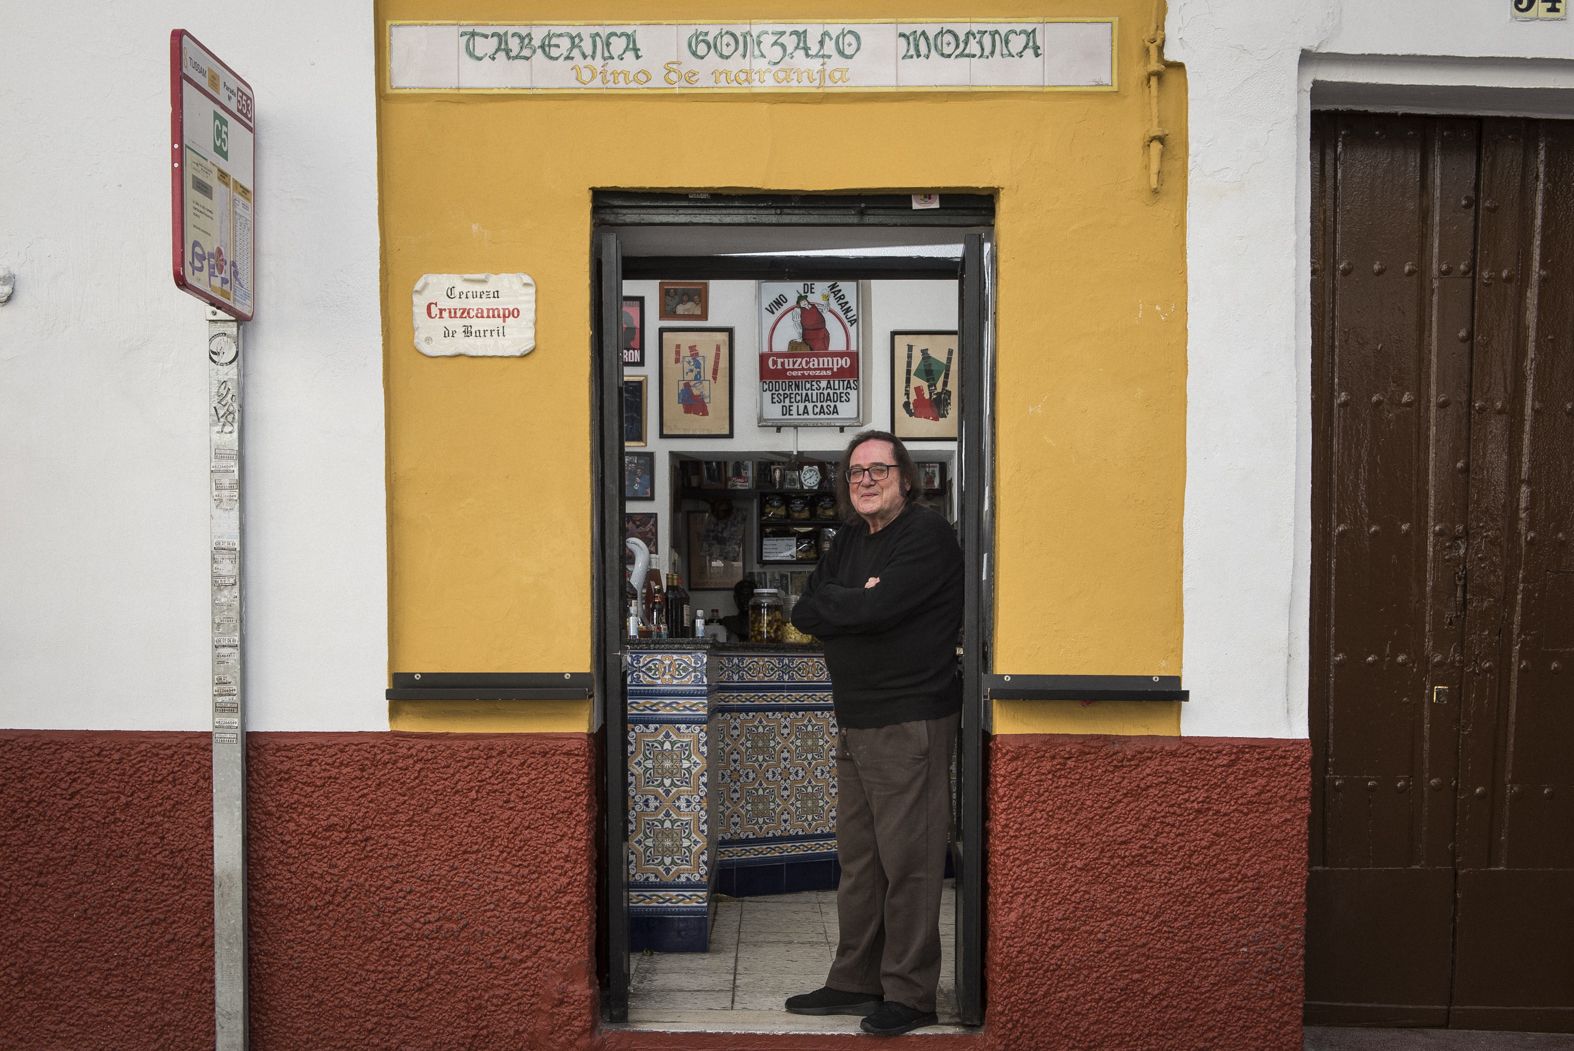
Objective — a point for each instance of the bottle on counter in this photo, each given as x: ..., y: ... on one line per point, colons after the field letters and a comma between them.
x: 658, y: 615
x: 678, y: 611
x: 652, y: 590
x: 633, y: 618
x: 699, y: 623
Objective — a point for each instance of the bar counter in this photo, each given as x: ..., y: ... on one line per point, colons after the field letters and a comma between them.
x: 731, y: 780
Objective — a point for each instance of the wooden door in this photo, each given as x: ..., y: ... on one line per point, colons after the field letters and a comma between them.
x: 1441, y: 889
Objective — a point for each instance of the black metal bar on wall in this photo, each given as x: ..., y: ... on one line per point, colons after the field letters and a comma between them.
x: 1085, y: 688
x: 490, y: 686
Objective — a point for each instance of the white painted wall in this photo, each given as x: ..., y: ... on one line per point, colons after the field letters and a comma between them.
x: 1255, y: 68
x: 103, y: 374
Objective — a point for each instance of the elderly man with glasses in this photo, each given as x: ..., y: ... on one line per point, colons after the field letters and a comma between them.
x: 886, y: 603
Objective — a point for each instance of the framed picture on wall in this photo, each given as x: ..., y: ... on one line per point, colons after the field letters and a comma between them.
x: 641, y: 524
x: 639, y: 476
x: 632, y: 339
x: 926, y: 377
x: 696, y: 382
x: 716, y: 548
x: 634, y: 410
x: 685, y: 300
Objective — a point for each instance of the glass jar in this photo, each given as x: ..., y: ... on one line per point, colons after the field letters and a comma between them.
x: 790, y: 632
x: 765, y: 616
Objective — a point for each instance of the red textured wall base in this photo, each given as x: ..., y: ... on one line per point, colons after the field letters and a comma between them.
x: 405, y: 890
x: 1146, y: 892
x: 439, y: 891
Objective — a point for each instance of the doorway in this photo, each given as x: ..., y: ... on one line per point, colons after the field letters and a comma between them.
x: 1441, y: 887
x: 700, y: 238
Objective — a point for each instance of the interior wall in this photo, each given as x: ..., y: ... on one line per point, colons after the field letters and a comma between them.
x: 884, y: 306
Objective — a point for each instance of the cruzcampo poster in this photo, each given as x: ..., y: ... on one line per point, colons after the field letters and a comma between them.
x: 811, y: 365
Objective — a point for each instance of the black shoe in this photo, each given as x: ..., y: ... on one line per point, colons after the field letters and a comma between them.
x: 894, y: 1019
x: 828, y: 1001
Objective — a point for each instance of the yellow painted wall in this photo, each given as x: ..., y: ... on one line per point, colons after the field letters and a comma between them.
x: 489, y: 459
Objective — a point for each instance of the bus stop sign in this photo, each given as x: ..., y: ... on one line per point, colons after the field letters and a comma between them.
x: 212, y: 137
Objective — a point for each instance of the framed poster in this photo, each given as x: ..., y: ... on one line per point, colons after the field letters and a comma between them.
x: 716, y: 548
x: 696, y: 382
x: 634, y: 410
x: 685, y: 300
x: 632, y: 339
x: 639, y: 476
x: 925, y: 381
x: 811, y: 366
x: 641, y: 524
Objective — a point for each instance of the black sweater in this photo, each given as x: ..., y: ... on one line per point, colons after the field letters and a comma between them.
x: 891, y: 649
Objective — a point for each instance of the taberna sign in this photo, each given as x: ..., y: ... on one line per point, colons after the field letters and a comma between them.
x: 480, y: 315
x: 1056, y: 54
x: 811, y: 367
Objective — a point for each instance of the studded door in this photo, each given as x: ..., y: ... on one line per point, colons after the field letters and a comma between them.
x: 1441, y: 889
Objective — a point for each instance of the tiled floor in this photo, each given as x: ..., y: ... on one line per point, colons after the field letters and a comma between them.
x: 763, y: 950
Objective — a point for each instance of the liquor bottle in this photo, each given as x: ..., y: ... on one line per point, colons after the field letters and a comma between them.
x: 699, y: 622
x: 658, y: 615
x: 648, y: 601
x: 677, y: 608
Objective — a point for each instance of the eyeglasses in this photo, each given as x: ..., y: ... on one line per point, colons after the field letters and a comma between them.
x: 877, y: 471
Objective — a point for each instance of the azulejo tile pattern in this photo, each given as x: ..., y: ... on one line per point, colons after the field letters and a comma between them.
x: 661, y: 668
x: 771, y: 667
x: 731, y: 758
x: 666, y: 766
x: 669, y: 822
x: 774, y: 749
x: 776, y: 774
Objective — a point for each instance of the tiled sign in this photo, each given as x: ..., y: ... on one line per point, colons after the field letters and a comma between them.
x: 753, y: 56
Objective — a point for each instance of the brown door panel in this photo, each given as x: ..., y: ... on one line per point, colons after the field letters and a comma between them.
x: 1370, y: 821
x: 1382, y: 348
x: 1496, y: 394
x: 1442, y: 607
x: 1538, y: 824
x: 1380, y: 951
x: 1515, y: 946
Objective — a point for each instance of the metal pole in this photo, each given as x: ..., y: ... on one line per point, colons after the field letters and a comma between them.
x: 229, y: 721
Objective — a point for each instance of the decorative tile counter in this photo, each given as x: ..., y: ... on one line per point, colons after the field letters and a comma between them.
x: 732, y: 781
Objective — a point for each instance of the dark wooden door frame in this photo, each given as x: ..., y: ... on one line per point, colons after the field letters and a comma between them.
x: 612, y: 209
x: 610, y: 712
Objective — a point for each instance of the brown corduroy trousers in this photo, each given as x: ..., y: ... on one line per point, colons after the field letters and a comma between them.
x: 893, y: 824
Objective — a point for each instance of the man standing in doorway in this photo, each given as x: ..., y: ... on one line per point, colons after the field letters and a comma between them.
x: 886, y: 603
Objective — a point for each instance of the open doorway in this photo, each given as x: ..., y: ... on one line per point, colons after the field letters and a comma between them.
x: 717, y: 857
